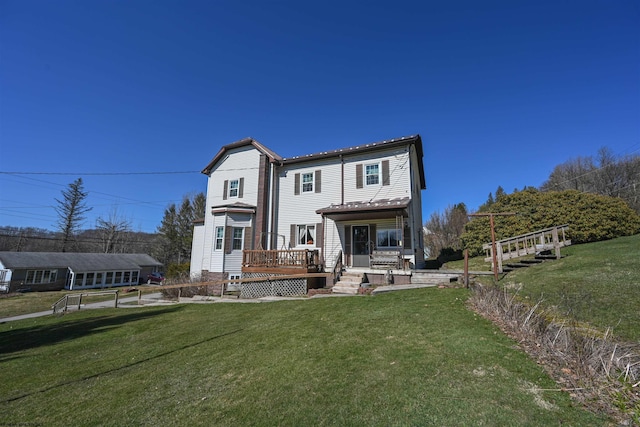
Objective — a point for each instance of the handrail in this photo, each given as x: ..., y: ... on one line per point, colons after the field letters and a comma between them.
x: 59, y: 307
x: 544, y: 230
x: 336, y: 271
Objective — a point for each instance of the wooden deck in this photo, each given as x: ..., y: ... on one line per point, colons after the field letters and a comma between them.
x: 533, y: 243
x: 281, y: 261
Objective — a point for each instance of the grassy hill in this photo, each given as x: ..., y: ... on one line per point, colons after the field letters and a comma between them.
x: 406, y: 358
x: 596, y: 283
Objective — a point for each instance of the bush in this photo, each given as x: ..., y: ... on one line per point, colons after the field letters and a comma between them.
x: 178, y: 271
x: 590, y: 217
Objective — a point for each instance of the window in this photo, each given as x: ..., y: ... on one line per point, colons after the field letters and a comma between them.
x: 219, y: 238
x: 127, y: 277
x: 134, y: 277
x: 237, y: 239
x: 234, y: 185
x: 387, y: 238
x: 41, y: 276
x: 372, y: 174
x: 109, y: 278
x: 306, y: 234
x: 307, y: 182
x: 79, y: 279
x: 99, y: 278
x: 118, y: 277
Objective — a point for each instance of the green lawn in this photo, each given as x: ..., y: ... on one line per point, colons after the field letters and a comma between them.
x: 405, y: 358
x: 31, y: 302
x: 596, y: 283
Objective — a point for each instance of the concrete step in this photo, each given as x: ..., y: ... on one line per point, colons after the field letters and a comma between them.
x: 345, y: 289
x: 351, y: 279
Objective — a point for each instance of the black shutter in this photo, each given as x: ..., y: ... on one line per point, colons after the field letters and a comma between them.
x: 359, y: 176
x: 296, y: 183
x: 228, y: 240
x: 247, y: 238
x: 373, y: 236
x: 319, y: 235
x: 294, y: 236
x: 385, y: 172
x: 240, y: 187
x: 318, y: 178
x: 224, y: 191
x: 347, y: 239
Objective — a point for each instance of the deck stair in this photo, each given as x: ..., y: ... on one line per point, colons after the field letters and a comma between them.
x: 540, y: 243
x: 349, y: 283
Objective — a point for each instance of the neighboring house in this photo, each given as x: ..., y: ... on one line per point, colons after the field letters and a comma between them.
x: 46, y: 271
x: 342, y: 203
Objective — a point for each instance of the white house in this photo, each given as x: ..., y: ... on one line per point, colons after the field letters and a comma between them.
x: 343, y: 203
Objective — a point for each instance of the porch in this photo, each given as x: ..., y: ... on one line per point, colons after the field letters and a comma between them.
x: 291, y: 261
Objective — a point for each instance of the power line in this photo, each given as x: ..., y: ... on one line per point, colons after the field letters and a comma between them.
x: 97, y: 173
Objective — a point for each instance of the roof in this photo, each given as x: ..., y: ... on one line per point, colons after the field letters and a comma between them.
x: 389, y: 143
x: 241, y: 143
x: 77, y: 261
x: 374, y: 206
x: 238, y: 207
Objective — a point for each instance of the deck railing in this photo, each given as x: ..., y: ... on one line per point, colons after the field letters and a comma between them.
x: 299, y: 258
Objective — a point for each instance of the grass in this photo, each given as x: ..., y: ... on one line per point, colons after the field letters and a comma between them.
x: 596, y: 283
x: 415, y: 357
x: 16, y: 304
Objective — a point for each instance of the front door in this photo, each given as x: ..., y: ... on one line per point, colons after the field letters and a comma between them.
x: 360, y: 246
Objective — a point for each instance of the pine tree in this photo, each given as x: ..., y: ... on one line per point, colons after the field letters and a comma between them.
x: 71, y: 210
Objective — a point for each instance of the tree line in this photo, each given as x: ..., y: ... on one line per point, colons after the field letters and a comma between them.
x: 113, y: 233
x: 598, y: 196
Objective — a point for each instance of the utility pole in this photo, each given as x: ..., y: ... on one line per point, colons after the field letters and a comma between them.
x: 493, y: 237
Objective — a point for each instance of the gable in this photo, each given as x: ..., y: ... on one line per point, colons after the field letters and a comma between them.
x: 243, y: 143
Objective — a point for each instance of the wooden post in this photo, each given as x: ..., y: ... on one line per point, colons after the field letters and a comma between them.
x: 79, y: 301
x: 466, y: 268
x: 493, y: 240
x: 556, y: 242
x: 139, y: 296
x: 115, y: 304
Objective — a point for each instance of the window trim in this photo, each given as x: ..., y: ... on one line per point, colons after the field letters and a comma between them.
x: 367, y: 174
x: 306, y: 228
x: 50, y: 274
x: 235, y: 239
x: 388, y: 231
x: 218, y: 239
x: 310, y: 183
x: 232, y: 189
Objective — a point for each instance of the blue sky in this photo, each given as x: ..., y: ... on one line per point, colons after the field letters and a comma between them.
x: 501, y: 92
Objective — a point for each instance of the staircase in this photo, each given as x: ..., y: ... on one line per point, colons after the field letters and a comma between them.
x: 349, y: 283
x: 538, y: 243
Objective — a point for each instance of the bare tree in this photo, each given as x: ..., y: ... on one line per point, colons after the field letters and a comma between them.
x: 71, y: 210
x: 604, y: 175
x: 113, y: 232
x: 444, y: 229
